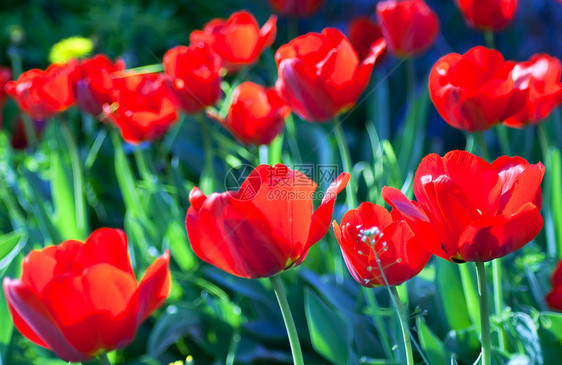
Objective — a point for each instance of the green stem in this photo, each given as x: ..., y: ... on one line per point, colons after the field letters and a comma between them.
x: 404, y: 325
x: 374, y: 305
x: 498, y: 299
x: 144, y: 170
x: 104, y: 360
x: 489, y: 39
x: 78, y: 181
x: 209, y: 156
x: 264, y: 153
x: 482, y: 145
x: 288, y: 318
x: 292, y: 139
x: 484, y: 316
x: 346, y: 160
x: 503, y: 136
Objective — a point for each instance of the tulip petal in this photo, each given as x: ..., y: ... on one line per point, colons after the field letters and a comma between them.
x: 106, y: 245
x: 154, y: 287
x: 89, y: 308
x: 320, y: 223
x: 32, y: 318
x: 498, y: 236
x: 554, y: 298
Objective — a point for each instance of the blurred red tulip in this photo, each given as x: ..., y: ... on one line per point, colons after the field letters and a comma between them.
x: 539, y: 78
x: 369, y: 234
x: 296, y: 8
x: 18, y: 134
x: 320, y: 74
x: 5, y: 76
x: 363, y: 32
x: 238, y: 40
x: 143, y: 108
x: 264, y: 228
x: 42, y: 94
x: 554, y: 297
x: 82, y: 299
x: 195, y: 78
x: 470, y: 210
x: 488, y: 14
x: 256, y: 115
x: 475, y: 91
x: 93, y: 83
x: 409, y: 26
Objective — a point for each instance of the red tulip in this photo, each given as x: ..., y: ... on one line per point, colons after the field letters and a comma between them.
x: 264, y: 228
x: 474, y: 91
x: 539, y: 78
x: 42, y: 94
x: 554, y: 297
x: 409, y: 26
x: 470, y: 210
x: 5, y: 76
x: 256, y: 115
x: 93, y: 83
x: 143, y: 108
x: 488, y: 14
x: 238, y: 40
x: 320, y: 75
x: 369, y: 234
x: 194, y: 76
x: 295, y: 8
x: 82, y: 299
x: 363, y: 32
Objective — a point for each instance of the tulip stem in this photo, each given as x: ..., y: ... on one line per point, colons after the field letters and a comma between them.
x: 208, y: 178
x: 288, y: 319
x: 374, y: 305
x: 498, y: 299
x: 484, y: 318
x: 481, y: 142
x: 346, y: 160
x: 292, y: 139
x: 489, y: 39
x: 104, y: 360
x: 404, y: 325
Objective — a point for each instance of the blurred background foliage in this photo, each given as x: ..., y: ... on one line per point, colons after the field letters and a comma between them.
x: 218, y: 318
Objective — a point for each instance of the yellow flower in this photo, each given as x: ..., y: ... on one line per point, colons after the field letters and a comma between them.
x: 73, y: 47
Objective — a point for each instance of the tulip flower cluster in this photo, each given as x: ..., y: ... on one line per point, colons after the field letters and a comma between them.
x: 70, y: 283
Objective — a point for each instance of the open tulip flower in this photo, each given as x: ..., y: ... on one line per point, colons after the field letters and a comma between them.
x: 475, y: 91
x: 143, y: 108
x: 470, y: 210
x: 371, y: 238
x: 409, y: 26
x: 296, y: 8
x: 320, y: 74
x: 554, y: 297
x: 539, y: 78
x: 363, y: 32
x: 488, y: 14
x: 238, y: 41
x: 42, y: 94
x: 82, y: 299
x: 266, y: 227
x: 195, y: 77
x: 93, y: 83
x: 256, y: 115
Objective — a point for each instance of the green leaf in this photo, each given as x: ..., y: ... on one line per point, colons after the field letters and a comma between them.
x: 329, y: 332
x: 451, y: 295
x: 431, y: 344
x: 7, y: 327
x: 7, y: 243
x: 556, y: 199
x: 470, y: 288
